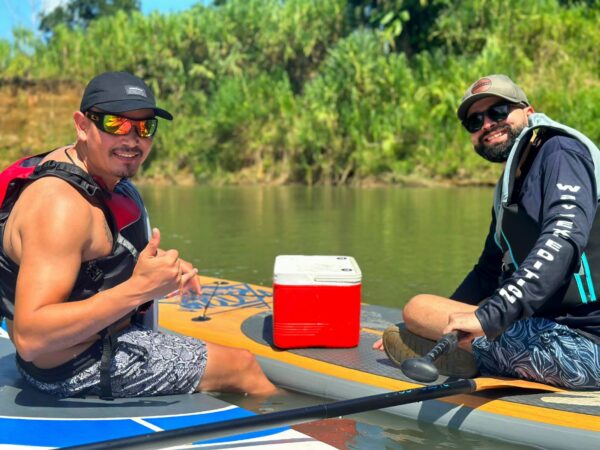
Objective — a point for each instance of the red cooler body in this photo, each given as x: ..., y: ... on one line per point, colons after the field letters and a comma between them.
x: 316, y: 301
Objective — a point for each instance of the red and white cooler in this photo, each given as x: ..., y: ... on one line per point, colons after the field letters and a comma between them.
x: 316, y: 301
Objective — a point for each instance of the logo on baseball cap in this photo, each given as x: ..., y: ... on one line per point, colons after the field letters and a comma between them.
x: 491, y: 86
x: 117, y: 92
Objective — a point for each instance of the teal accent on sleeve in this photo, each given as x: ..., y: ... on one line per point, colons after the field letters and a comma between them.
x: 588, y: 277
x: 580, y: 287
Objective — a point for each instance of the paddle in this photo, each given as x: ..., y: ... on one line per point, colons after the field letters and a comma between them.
x: 203, y: 432
x: 422, y: 369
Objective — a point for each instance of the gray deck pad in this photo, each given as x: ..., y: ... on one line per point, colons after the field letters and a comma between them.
x: 260, y: 329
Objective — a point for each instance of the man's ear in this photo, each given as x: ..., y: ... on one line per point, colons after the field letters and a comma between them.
x: 82, y: 125
x: 529, y: 110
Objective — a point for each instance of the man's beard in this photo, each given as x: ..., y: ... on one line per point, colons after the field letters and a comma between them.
x: 498, y: 153
x: 129, y: 170
x: 128, y: 174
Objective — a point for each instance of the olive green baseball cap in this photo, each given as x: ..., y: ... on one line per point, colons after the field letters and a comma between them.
x: 496, y: 85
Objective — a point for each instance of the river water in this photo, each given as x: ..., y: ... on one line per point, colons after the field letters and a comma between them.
x: 405, y: 240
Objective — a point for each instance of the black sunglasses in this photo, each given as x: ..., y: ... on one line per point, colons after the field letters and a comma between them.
x: 496, y: 113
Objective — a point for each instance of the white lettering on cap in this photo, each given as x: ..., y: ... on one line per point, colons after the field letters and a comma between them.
x: 135, y: 90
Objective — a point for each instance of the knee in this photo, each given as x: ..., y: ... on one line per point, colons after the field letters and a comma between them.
x: 411, y: 311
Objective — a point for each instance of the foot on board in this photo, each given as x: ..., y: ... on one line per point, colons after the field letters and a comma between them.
x: 400, y: 344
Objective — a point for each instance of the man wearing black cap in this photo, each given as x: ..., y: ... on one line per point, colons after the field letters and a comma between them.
x: 530, y: 308
x: 79, y: 266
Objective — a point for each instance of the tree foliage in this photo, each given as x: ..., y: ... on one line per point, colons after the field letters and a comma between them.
x: 335, y: 91
x: 79, y: 13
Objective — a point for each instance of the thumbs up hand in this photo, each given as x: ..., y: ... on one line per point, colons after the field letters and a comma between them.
x: 159, y: 272
x: 151, y: 249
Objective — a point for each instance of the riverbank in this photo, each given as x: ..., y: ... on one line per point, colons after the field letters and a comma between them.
x: 185, y: 178
x: 37, y: 116
x: 317, y: 93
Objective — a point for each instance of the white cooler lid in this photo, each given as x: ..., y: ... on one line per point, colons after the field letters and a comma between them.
x: 316, y: 270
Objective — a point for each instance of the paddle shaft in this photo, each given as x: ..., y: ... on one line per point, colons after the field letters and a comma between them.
x: 182, y: 436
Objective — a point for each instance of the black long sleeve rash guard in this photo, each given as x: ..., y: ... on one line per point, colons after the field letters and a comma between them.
x: 559, y: 193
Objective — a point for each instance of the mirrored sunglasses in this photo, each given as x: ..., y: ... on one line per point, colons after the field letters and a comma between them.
x: 118, y: 125
x: 495, y: 113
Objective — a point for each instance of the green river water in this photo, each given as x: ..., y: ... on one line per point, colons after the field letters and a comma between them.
x: 405, y: 240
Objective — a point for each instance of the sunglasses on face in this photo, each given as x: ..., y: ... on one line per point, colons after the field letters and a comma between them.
x: 118, y: 126
x: 496, y: 113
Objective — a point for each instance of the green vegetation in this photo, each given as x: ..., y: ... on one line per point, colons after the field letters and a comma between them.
x: 324, y: 91
x: 79, y: 13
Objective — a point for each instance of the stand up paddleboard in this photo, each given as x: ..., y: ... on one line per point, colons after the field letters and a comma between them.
x: 240, y: 315
x: 30, y: 419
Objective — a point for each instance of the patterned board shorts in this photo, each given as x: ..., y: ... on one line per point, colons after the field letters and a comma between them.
x: 145, y: 363
x: 541, y: 350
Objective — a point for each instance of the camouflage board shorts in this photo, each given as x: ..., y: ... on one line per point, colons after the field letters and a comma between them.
x: 145, y: 363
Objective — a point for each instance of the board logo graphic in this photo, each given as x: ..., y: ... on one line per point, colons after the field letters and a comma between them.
x: 222, y: 294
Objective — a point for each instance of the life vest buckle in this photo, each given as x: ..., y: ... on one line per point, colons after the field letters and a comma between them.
x: 507, y: 267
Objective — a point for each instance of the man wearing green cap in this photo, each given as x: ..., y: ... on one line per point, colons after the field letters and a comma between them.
x: 530, y: 307
x: 80, y: 267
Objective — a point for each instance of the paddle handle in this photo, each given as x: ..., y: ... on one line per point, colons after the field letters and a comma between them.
x: 446, y: 344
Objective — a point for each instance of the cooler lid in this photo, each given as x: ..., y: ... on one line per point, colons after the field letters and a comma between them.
x: 316, y: 270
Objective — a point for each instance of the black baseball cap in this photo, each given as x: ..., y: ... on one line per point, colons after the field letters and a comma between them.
x: 117, y: 92
x: 496, y: 85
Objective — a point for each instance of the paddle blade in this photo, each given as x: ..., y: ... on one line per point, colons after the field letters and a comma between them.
x: 419, y: 369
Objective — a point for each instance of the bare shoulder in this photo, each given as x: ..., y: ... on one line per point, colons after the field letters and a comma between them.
x: 50, y: 214
x: 51, y: 197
